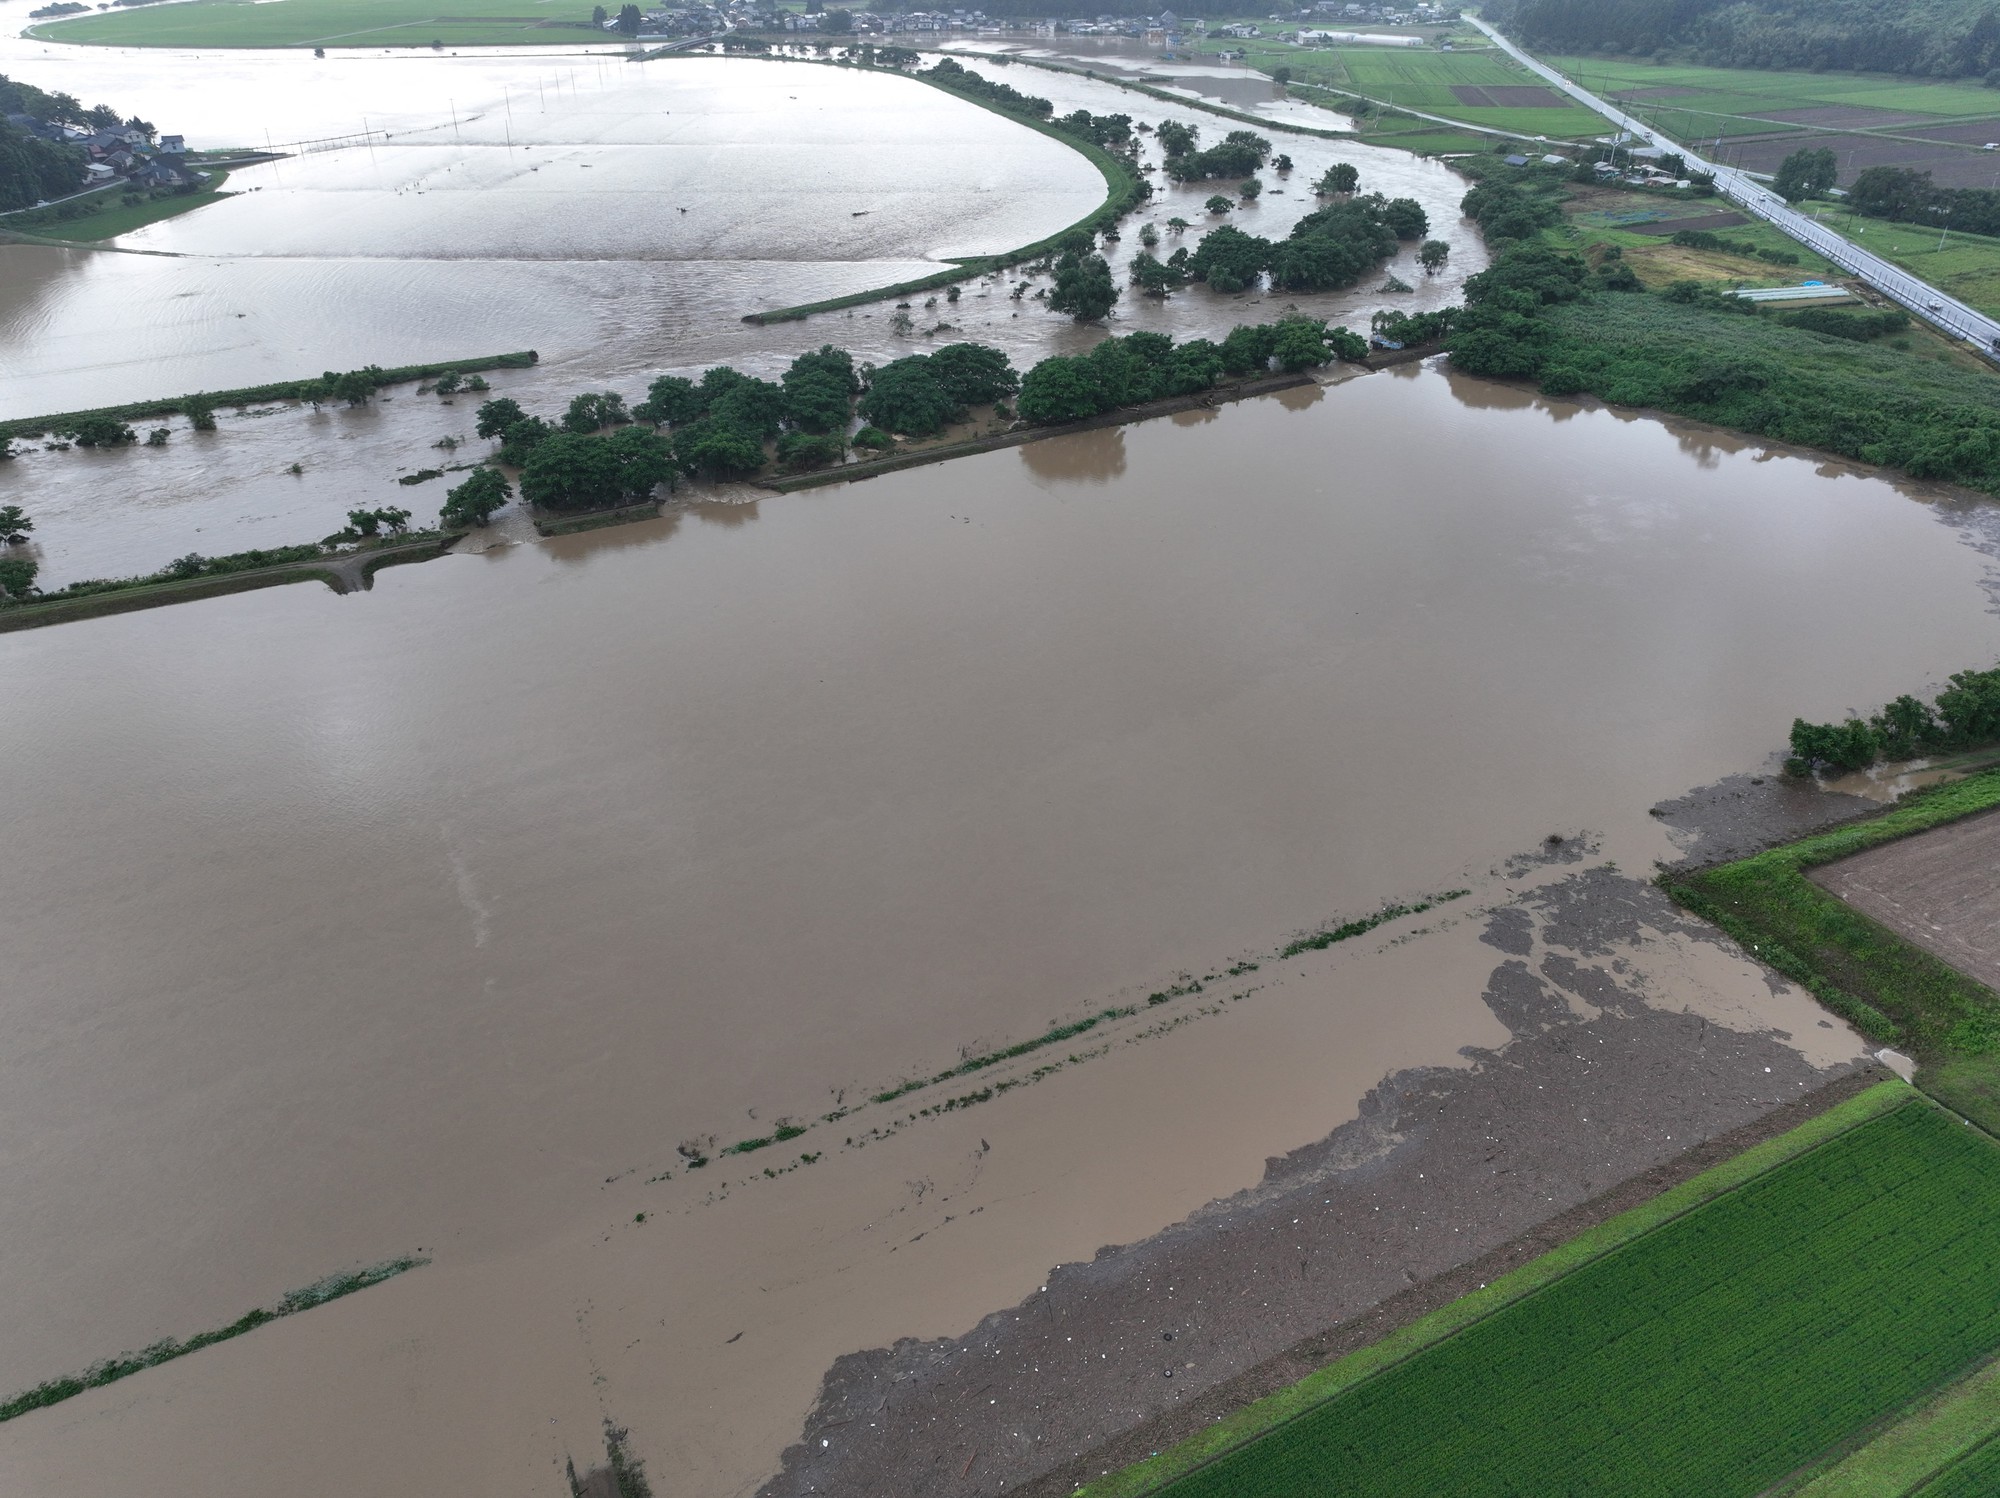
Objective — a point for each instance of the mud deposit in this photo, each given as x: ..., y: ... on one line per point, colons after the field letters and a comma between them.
x: 1441, y: 1167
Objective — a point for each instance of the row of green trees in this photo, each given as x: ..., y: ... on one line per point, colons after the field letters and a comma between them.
x: 729, y: 425
x: 1143, y: 367
x: 1909, y: 196
x: 1702, y: 239
x: 1965, y: 715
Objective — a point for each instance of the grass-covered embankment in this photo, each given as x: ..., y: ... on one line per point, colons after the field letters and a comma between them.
x: 279, y: 390
x: 1892, y: 991
x: 56, y: 1390
x: 1669, y: 1350
x: 110, y: 215
x: 243, y: 572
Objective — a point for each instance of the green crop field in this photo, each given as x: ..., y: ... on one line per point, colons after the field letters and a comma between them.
x: 1966, y: 265
x: 331, y: 23
x: 1747, y: 90
x: 1422, y: 79
x: 1976, y: 1476
x: 1945, y: 1437
x: 1714, y: 1354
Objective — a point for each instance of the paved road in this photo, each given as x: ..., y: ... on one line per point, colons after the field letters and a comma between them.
x: 1920, y: 297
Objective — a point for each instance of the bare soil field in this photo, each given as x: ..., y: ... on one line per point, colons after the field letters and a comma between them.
x: 1970, y: 132
x: 1506, y: 96
x: 1524, y: 96
x: 1843, y: 117
x: 1940, y: 890
x: 1669, y: 226
x: 1950, y: 165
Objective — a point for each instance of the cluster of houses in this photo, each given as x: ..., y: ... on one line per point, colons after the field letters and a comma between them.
x: 1630, y: 160
x: 118, y: 152
x: 1164, y: 28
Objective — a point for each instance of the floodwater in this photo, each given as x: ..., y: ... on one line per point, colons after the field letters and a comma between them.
x: 439, y: 916
x: 535, y: 202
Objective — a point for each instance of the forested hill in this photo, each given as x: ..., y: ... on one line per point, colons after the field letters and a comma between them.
x: 1931, y: 38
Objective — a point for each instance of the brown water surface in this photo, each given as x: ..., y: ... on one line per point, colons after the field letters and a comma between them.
x: 537, y: 202
x: 436, y: 917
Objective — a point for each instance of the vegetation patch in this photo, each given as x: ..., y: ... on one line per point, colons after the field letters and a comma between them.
x: 1668, y: 1351
x: 56, y: 1390
x: 1890, y: 990
x: 202, y: 404
x: 972, y: 1064
x: 1319, y: 941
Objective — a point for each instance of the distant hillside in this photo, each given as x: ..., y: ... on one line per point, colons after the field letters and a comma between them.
x: 1931, y: 38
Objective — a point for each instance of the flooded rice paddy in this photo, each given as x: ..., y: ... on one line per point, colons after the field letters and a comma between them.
x: 441, y: 917
x: 536, y: 203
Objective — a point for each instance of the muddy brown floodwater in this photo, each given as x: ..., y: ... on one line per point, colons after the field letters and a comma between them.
x: 537, y: 202
x: 439, y: 917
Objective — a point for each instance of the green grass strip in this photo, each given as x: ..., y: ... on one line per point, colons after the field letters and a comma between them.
x: 1316, y: 1389
x: 1889, y: 989
x: 280, y: 390
x: 1975, y: 1475
x: 1919, y: 1447
x: 56, y: 1390
x: 110, y: 221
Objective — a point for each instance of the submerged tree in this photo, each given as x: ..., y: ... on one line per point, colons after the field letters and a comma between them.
x: 1432, y: 254
x: 17, y: 577
x: 1084, y: 288
x: 1341, y: 177
x: 14, y: 525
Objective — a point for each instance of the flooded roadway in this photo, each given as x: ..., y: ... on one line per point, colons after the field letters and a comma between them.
x: 438, y: 917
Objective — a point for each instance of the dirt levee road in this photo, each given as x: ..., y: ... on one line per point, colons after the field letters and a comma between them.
x: 1938, y: 889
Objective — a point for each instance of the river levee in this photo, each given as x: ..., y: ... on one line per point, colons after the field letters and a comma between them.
x: 618, y: 217
x: 461, y: 917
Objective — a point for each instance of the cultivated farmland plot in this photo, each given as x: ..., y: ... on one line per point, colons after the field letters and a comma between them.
x: 1713, y: 1355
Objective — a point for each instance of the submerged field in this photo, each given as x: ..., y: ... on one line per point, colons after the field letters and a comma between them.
x: 332, y: 23
x: 1715, y: 1354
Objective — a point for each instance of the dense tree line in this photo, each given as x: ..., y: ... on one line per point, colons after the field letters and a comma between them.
x: 1932, y: 38
x: 1964, y: 715
x: 730, y: 425
x: 1143, y: 367
x: 1909, y: 196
